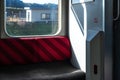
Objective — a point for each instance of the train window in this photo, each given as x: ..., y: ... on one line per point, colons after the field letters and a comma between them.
x: 31, y: 17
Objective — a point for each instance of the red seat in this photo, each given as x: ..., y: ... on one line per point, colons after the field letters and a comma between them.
x: 34, y: 50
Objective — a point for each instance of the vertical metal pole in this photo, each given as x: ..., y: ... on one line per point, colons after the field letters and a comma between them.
x: 108, y: 29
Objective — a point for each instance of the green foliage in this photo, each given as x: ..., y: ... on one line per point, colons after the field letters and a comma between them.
x: 29, y: 29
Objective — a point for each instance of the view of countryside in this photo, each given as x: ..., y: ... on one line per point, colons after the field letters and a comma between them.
x: 31, y: 17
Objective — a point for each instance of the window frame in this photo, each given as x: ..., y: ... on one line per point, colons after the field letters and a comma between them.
x: 63, y: 12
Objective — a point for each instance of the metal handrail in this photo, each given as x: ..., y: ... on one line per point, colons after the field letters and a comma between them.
x: 118, y: 11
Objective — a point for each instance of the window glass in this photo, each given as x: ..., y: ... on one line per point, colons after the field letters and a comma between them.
x: 31, y: 17
x: 45, y: 16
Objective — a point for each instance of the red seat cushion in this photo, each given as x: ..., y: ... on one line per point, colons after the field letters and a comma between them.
x: 34, y: 50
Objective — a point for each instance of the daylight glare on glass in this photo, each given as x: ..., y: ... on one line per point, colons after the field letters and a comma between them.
x: 31, y: 17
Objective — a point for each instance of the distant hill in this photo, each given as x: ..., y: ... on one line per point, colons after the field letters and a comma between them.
x: 21, y: 4
x: 15, y: 3
x: 41, y: 6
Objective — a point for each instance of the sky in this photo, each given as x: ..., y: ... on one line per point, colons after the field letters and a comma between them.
x: 40, y: 1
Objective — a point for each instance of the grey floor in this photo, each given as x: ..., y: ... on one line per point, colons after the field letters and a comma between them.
x: 43, y: 71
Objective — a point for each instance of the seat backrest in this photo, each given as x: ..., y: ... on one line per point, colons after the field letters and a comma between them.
x: 34, y: 50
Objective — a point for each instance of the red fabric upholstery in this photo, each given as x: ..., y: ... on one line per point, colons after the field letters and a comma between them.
x: 34, y: 50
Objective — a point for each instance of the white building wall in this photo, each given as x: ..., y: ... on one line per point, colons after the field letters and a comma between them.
x: 37, y: 14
